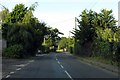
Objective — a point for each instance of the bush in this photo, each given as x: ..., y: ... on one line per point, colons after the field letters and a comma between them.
x: 77, y: 49
x: 15, y: 51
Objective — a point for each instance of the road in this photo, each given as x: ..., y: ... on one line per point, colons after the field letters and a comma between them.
x: 58, y: 65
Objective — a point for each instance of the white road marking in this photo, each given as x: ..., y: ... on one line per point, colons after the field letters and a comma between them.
x: 7, y: 76
x: 64, y: 70
x: 58, y: 62
x: 27, y: 63
x: 45, y: 54
x: 61, y: 66
x: 18, y: 69
x: 56, y: 59
x: 12, y: 72
x: 68, y: 75
x: 31, y: 61
x: 39, y: 55
x: 21, y: 65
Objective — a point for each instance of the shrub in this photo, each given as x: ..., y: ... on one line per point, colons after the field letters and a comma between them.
x: 15, y: 51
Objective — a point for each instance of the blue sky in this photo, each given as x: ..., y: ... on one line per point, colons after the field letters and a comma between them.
x: 60, y: 13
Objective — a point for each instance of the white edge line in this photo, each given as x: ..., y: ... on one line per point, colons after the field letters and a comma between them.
x: 68, y: 75
x: 18, y: 69
x: 27, y: 64
x: 12, y: 72
x: 31, y: 61
x: 7, y: 76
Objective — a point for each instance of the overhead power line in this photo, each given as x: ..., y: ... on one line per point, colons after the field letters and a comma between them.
x: 63, y: 21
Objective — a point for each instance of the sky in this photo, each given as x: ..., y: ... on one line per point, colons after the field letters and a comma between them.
x: 61, y: 13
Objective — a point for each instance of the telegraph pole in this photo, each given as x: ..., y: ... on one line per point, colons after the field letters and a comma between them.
x: 69, y: 34
x: 75, y: 23
x: 75, y: 28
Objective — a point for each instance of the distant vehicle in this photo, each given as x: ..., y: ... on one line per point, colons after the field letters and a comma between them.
x: 39, y: 52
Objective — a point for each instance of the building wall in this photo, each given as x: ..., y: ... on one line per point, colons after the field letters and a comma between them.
x: 119, y: 13
x: 3, y: 45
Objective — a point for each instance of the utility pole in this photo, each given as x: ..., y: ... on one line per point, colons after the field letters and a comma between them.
x: 75, y: 27
x: 69, y: 34
x: 75, y: 23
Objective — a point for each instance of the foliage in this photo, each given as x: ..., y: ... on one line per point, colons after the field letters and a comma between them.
x: 97, y: 34
x: 3, y: 14
x: 66, y: 43
x: 53, y: 37
x: 21, y: 27
x: 63, y: 43
x: 86, y: 31
x: 48, y: 44
x: 17, y: 14
x: 15, y: 51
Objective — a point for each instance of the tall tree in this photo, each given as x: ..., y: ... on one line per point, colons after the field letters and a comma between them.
x: 22, y: 28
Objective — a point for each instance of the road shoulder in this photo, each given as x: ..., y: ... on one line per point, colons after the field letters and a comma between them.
x: 104, y: 66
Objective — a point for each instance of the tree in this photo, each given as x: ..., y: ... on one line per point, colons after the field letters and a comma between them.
x: 17, y: 14
x: 86, y: 31
x: 63, y: 43
x: 22, y: 28
x: 66, y: 43
x: 55, y: 38
x: 3, y: 14
x: 97, y: 32
x: 85, y: 34
x: 52, y: 36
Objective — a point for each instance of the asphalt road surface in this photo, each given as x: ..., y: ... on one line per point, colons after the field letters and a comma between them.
x: 58, y: 65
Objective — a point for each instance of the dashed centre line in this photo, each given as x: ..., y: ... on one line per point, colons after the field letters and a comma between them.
x: 61, y: 66
x: 68, y: 75
x: 64, y: 69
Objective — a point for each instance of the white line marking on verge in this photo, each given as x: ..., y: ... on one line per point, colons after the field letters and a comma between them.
x: 68, y: 75
x: 21, y: 65
x: 31, y: 61
x: 27, y: 64
x: 18, y: 69
x: 61, y: 66
x: 7, y: 76
x: 12, y: 72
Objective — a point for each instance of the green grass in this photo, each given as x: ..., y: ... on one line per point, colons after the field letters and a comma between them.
x: 59, y: 50
x: 99, y: 59
x: 103, y: 60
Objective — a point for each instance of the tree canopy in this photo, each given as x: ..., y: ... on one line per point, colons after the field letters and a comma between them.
x: 97, y: 34
x: 21, y: 28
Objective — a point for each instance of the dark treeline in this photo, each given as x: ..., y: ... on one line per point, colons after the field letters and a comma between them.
x: 24, y: 33
x: 97, y: 35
